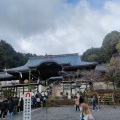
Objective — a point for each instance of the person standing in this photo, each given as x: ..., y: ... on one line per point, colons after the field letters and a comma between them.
x: 77, y: 103
x: 38, y: 102
x: 34, y: 101
x: 15, y: 101
x: 85, y: 114
x: 18, y: 110
x: 81, y: 100
x: 94, y: 101
x: 44, y: 101
x: 21, y: 104
x: 10, y: 106
x: 3, y: 108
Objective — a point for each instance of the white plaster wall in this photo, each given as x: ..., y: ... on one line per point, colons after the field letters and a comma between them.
x: 103, y: 85
x: 6, y: 83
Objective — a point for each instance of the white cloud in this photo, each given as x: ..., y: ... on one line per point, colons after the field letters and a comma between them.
x: 110, y: 19
x: 55, y: 27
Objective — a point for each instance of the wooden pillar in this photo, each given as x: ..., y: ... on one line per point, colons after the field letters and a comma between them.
x: 63, y: 87
x: 54, y: 91
x: 11, y: 90
x: 98, y: 100
x: 21, y: 81
x: 86, y: 85
x: 113, y: 100
x: 23, y: 89
x: 70, y: 89
x: 37, y: 87
x: 29, y: 89
x: 16, y: 90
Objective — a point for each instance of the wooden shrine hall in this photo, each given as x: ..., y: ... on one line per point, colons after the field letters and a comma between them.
x: 39, y: 69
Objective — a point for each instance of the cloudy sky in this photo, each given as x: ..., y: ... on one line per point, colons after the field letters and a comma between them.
x: 57, y: 26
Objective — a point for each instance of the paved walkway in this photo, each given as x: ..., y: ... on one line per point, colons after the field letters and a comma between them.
x: 69, y: 113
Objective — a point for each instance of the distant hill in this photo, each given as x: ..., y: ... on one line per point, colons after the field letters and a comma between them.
x: 9, y: 58
x: 105, y: 52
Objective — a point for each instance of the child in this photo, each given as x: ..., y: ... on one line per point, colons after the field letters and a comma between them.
x: 85, y: 114
x: 77, y: 103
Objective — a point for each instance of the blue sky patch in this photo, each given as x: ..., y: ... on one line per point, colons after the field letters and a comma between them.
x: 72, y: 1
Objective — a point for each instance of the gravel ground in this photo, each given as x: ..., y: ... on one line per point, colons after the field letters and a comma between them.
x: 69, y: 113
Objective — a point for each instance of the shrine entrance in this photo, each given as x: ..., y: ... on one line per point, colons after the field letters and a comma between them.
x: 48, y: 69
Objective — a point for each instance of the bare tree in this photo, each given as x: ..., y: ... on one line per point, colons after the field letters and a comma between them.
x: 113, y: 71
x: 92, y: 75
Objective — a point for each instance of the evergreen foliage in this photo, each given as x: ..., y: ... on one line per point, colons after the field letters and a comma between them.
x: 9, y: 58
x: 105, y: 52
x: 7, y: 93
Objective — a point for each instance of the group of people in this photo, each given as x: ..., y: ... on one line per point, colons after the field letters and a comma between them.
x: 85, y: 113
x: 15, y: 104
x: 10, y: 106
x: 38, y: 100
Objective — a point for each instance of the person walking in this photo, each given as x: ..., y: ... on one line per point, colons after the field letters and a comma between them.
x: 77, y: 103
x: 94, y: 101
x: 85, y: 114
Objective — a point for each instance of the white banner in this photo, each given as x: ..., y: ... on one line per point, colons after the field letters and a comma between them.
x: 27, y: 106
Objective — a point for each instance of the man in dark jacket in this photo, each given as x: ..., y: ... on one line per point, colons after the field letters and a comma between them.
x: 10, y: 106
x: 3, y: 107
x: 81, y: 100
x: 21, y: 104
x: 15, y: 100
x: 94, y: 103
x: 34, y: 101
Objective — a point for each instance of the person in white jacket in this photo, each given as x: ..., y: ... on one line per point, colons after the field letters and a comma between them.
x: 85, y: 113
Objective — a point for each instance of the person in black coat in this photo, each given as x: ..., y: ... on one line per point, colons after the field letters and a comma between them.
x: 81, y: 100
x: 15, y: 100
x: 3, y: 108
x: 21, y: 104
x: 10, y: 106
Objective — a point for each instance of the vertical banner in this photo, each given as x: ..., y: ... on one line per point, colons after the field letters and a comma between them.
x: 27, y: 106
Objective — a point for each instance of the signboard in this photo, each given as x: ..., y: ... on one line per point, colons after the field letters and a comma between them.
x: 27, y: 106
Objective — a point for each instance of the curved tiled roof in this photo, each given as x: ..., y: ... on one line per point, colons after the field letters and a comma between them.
x: 4, y: 75
x: 101, y: 67
x: 21, y: 68
x: 71, y: 59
